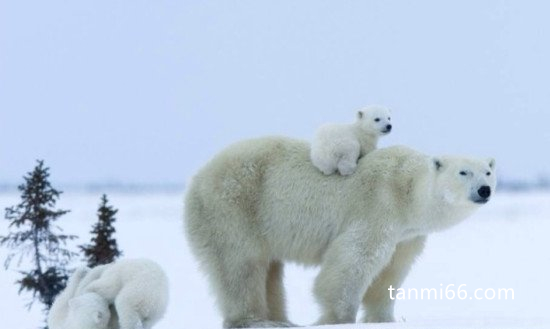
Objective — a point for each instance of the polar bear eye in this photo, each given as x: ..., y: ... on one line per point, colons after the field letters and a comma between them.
x: 488, y: 173
x: 377, y: 120
x: 463, y: 173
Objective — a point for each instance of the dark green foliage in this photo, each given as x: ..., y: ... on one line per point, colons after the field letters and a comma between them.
x: 103, y: 247
x: 46, y: 284
x: 33, y: 240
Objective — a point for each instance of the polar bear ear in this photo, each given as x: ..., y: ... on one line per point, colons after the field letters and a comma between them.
x: 360, y: 115
x: 491, y: 162
x: 438, y: 164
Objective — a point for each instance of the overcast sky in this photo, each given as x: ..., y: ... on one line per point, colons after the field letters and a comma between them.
x: 147, y: 91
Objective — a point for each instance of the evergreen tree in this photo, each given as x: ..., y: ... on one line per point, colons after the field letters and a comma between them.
x: 103, y: 247
x: 31, y: 236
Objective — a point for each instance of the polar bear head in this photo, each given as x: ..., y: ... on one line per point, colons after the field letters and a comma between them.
x: 375, y: 119
x: 88, y: 311
x: 464, y: 181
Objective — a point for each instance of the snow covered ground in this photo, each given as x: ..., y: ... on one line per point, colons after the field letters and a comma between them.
x: 504, y: 245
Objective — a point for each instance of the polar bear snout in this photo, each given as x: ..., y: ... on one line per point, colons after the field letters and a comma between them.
x: 387, y: 129
x: 483, y: 193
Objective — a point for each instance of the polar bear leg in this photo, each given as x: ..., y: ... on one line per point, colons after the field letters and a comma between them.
x: 349, y: 266
x: 346, y: 166
x: 241, y: 290
x: 240, y: 278
x: 128, y: 315
x: 326, y: 163
x: 328, y: 168
x: 377, y: 302
x: 348, y: 161
x: 233, y: 255
x: 242, y: 293
x: 276, y: 292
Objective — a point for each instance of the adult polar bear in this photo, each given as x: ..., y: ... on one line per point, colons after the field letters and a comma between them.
x: 261, y: 202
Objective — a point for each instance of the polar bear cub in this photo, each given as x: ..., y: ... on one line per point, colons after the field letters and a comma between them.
x: 73, y: 311
x: 337, y: 147
x: 87, y: 311
x: 138, y: 288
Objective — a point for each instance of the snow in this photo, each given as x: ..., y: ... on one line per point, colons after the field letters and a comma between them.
x: 504, y: 245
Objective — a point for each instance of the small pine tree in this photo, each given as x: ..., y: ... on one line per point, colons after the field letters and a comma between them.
x: 31, y: 235
x: 103, y: 247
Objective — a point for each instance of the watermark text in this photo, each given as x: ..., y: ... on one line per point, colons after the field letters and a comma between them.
x: 451, y: 292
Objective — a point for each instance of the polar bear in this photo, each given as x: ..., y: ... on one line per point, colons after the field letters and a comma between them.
x: 130, y: 293
x: 92, y: 275
x: 78, y: 311
x: 260, y: 203
x: 87, y: 311
x: 138, y: 288
x: 337, y: 147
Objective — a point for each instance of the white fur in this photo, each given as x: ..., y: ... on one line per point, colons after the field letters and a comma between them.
x: 337, y: 147
x: 87, y: 311
x: 260, y: 203
x: 78, y: 311
x: 128, y: 294
x: 138, y: 288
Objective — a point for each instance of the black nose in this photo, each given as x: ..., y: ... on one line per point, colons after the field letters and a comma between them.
x: 484, y: 191
x: 388, y: 127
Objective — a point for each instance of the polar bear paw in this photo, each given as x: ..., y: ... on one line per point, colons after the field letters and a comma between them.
x: 346, y: 167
